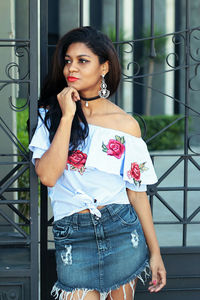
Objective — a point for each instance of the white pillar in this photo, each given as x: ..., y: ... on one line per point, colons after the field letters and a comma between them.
x: 169, y: 76
x: 128, y: 57
x: 86, y: 12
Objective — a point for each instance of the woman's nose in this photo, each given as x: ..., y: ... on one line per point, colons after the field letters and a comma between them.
x: 73, y: 67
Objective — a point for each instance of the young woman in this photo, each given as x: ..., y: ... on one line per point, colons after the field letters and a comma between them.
x: 90, y: 155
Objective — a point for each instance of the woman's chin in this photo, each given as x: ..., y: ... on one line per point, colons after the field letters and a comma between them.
x: 73, y: 85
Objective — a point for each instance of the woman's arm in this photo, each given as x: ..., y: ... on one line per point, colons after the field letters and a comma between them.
x: 52, y: 164
x: 140, y: 202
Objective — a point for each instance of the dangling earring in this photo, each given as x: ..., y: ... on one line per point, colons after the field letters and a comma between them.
x: 104, y: 93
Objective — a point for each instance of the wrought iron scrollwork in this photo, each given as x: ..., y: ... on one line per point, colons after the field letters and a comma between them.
x: 14, y: 67
x: 19, y: 108
x: 190, y: 138
x: 195, y: 53
x: 178, y: 39
x: 195, y: 78
x: 152, y: 189
x: 21, y: 50
x: 14, y: 74
x: 174, y: 58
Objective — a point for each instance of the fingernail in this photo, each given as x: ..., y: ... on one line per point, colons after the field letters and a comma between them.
x: 154, y: 282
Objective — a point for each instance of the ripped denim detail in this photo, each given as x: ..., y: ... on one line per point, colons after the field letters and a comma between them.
x: 81, y: 293
x: 66, y: 255
x: 135, y: 239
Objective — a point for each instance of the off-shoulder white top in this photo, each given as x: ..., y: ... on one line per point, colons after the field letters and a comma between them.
x: 99, y: 171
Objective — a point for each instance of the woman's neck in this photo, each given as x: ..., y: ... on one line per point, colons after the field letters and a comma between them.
x: 93, y: 107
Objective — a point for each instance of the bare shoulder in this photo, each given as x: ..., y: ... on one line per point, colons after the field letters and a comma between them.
x: 129, y: 125
x: 125, y: 122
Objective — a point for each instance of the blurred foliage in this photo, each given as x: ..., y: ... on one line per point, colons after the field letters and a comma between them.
x: 22, y: 117
x: 159, y: 44
x: 23, y: 181
x: 111, y: 32
x: 171, y: 138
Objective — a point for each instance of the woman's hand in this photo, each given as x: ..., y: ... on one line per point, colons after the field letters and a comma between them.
x: 140, y: 202
x: 67, y: 98
x: 158, y: 273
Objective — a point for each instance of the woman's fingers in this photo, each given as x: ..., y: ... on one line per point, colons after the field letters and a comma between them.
x: 158, y: 274
x: 75, y: 96
x: 67, y: 98
x: 154, y: 281
x: 69, y: 92
x: 158, y: 280
x: 162, y: 280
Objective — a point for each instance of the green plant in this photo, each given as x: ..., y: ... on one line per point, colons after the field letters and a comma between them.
x: 111, y: 32
x: 171, y: 138
x: 159, y: 44
x: 122, y: 45
x: 23, y: 180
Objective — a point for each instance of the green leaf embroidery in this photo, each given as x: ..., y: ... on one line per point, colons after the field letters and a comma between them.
x: 136, y: 182
x: 81, y: 170
x: 142, y: 167
x: 73, y: 168
x: 104, y: 148
x: 118, y: 138
x: 122, y: 140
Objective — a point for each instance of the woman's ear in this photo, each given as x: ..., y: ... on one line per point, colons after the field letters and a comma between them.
x: 105, y: 67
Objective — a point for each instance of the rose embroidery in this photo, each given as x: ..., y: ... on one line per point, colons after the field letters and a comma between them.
x: 115, y: 147
x: 135, y: 172
x: 77, y: 161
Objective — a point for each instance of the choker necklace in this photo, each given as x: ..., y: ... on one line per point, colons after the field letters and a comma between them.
x: 89, y: 99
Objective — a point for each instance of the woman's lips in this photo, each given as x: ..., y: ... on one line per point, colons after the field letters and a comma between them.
x: 71, y: 78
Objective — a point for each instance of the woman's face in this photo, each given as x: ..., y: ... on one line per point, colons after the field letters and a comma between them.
x: 83, y: 70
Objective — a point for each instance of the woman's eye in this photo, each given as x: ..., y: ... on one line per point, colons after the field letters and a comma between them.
x: 83, y: 61
x: 67, y: 61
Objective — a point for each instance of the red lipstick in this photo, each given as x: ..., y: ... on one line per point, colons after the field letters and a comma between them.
x: 71, y: 78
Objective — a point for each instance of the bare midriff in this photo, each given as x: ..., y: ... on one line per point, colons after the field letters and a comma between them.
x: 87, y: 210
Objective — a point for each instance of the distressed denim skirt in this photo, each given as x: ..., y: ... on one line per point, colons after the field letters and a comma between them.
x: 99, y: 254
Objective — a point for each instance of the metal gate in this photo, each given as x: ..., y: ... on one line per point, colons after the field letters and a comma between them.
x: 175, y: 198
x: 18, y: 182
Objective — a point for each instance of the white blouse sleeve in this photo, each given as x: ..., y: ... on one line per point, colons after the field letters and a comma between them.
x: 138, y: 170
x: 40, y: 140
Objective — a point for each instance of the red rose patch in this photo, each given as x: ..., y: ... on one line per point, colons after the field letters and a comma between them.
x: 115, y: 147
x: 77, y: 161
x: 135, y: 172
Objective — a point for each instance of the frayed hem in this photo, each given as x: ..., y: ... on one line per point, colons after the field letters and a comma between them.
x: 146, y: 275
x: 61, y: 294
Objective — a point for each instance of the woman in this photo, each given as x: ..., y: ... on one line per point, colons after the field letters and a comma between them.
x: 90, y: 154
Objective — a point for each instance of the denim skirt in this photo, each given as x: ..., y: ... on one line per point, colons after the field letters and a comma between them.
x: 99, y: 254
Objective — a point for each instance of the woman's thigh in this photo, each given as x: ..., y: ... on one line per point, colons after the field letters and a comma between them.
x: 126, y: 288
x: 77, y: 295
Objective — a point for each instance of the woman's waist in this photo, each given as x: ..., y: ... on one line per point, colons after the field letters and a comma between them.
x: 62, y: 209
x: 64, y: 204
x: 88, y: 211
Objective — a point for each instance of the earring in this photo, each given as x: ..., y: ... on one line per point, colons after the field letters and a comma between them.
x: 104, y: 93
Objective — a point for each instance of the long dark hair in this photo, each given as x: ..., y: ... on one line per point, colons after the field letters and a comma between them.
x: 55, y: 82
